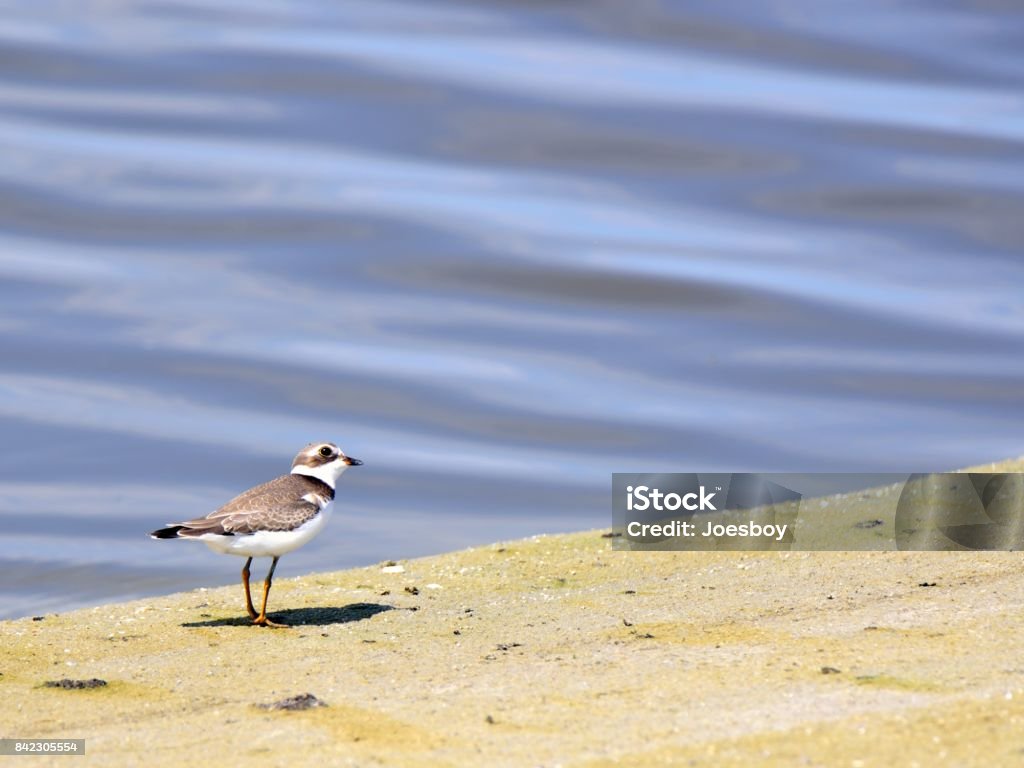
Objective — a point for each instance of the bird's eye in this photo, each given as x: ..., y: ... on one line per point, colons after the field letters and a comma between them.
x: 325, y: 451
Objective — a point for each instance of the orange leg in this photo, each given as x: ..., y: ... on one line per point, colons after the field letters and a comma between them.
x: 262, y: 619
x: 245, y: 583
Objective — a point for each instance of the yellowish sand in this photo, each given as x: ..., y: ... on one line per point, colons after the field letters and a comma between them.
x: 554, y: 650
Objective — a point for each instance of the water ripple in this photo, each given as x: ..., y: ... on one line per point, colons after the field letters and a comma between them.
x: 497, y: 251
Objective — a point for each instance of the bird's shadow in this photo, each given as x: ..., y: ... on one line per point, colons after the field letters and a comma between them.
x: 304, y: 617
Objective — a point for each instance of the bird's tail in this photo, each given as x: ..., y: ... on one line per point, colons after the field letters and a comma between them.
x: 170, y: 532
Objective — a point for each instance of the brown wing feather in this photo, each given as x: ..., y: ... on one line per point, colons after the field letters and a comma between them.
x: 248, y: 512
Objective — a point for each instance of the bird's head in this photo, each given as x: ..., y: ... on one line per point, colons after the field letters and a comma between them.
x: 324, y: 461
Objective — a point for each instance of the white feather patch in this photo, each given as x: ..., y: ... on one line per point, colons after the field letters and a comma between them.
x: 326, y: 473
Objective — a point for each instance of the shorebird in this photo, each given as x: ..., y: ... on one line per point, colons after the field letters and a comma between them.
x: 272, y: 519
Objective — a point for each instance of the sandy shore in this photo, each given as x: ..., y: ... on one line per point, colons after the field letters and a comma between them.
x: 549, y: 651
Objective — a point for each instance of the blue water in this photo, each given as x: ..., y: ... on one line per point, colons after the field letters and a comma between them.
x: 497, y: 251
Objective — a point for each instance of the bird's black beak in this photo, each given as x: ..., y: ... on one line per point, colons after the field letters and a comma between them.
x: 353, y: 462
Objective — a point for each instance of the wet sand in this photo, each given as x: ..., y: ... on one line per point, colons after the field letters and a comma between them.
x: 554, y: 650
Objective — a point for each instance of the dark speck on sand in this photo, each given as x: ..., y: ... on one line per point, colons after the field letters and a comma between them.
x: 302, y: 701
x: 68, y: 684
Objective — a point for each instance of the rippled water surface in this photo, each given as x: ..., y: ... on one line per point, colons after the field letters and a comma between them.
x: 496, y: 250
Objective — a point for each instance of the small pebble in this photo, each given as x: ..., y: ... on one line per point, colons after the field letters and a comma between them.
x: 295, y: 703
x: 68, y: 684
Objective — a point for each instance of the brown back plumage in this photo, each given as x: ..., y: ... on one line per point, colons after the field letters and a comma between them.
x: 274, y: 506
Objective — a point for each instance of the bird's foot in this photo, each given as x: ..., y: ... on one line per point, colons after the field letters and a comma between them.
x: 263, y: 621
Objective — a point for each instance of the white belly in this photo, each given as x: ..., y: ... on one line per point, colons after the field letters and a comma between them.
x: 268, y: 543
